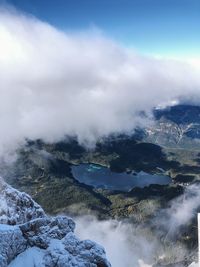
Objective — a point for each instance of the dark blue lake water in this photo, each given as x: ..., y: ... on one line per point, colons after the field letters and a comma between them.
x: 102, y: 177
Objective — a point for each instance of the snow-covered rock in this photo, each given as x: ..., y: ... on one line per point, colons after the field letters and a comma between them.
x: 39, y: 232
x: 12, y: 243
x: 73, y: 252
x: 28, y: 237
x: 17, y: 207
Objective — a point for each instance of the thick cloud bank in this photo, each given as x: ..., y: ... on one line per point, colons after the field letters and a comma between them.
x: 54, y: 84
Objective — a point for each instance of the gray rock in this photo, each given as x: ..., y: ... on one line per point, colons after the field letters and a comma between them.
x: 40, y: 231
x: 28, y: 235
x: 17, y: 207
x: 71, y: 251
x: 12, y: 243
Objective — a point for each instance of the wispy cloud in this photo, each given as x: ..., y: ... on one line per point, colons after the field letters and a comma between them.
x: 140, y: 245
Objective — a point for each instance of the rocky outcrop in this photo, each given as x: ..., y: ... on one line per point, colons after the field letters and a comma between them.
x: 28, y: 237
x: 12, y: 243
x: 39, y: 232
x: 17, y: 207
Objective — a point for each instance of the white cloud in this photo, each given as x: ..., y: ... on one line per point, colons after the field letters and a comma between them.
x: 182, y: 209
x: 130, y: 244
x: 54, y: 84
x: 124, y: 243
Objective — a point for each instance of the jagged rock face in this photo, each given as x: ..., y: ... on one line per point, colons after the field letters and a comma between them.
x: 28, y: 237
x: 12, y: 243
x: 73, y: 252
x: 39, y: 232
x: 17, y: 207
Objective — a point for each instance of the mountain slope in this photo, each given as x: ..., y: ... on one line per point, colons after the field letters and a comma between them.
x: 176, y: 126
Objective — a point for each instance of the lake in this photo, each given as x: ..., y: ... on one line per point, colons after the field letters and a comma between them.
x: 102, y: 177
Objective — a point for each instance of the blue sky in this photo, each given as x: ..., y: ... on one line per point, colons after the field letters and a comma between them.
x: 161, y: 27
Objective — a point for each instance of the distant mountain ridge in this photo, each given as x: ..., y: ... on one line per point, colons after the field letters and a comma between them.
x: 179, y: 114
x: 175, y: 126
